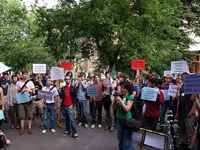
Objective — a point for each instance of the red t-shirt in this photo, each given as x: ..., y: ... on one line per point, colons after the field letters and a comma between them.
x: 68, y: 98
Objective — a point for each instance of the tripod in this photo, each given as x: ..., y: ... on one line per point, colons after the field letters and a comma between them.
x: 171, y: 128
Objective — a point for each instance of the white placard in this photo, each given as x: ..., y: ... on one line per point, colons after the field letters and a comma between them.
x: 179, y: 67
x: 173, y: 89
x: 166, y: 95
x: 39, y: 68
x: 149, y: 94
x: 57, y: 73
x: 167, y: 72
x: 155, y: 140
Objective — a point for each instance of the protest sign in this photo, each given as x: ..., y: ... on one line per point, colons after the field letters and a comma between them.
x: 179, y: 67
x: 167, y: 72
x: 39, y: 68
x: 2, y: 117
x: 192, y: 84
x: 173, y: 89
x: 137, y: 64
x: 149, y: 94
x: 66, y: 65
x: 166, y: 95
x: 91, y: 91
x: 57, y: 73
x: 45, y: 95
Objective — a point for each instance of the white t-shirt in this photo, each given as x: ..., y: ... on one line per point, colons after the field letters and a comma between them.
x: 54, y: 91
x: 29, y: 85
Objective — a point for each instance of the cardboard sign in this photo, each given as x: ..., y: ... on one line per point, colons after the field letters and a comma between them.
x: 179, y: 67
x: 45, y: 95
x: 39, y: 68
x: 173, y: 89
x: 167, y: 72
x: 57, y: 73
x: 192, y: 84
x: 149, y: 94
x: 137, y: 64
x: 166, y: 95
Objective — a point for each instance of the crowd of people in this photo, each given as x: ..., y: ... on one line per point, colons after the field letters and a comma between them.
x: 96, y: 102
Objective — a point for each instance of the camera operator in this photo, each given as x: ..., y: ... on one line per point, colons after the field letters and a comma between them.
x: 123, y: 102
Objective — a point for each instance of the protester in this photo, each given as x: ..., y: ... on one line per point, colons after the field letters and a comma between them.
x: 107, y: 92
x: 2, y: 101
x: 81, y: 95
x: 12, y: 103
x: 25, y: 88
x: 92, y: 92
x: 5, y: 81
x: 49, y: 107
x: 99, y: 101
x: 152, y: 109
x: 38, y: 102
x: 167, y: 102
x: 68, y: 97
x: 123, y: 104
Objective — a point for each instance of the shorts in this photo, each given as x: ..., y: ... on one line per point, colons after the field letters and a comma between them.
x: 25, y: 111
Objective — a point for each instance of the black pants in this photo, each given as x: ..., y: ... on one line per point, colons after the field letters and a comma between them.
x: 150, y: 123
x: 14, y: 116
x: 96, y: 108
x: 107, y: 106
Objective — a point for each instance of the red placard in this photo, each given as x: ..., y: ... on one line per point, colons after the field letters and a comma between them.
x: 66, y: 65
x: 138, y: 64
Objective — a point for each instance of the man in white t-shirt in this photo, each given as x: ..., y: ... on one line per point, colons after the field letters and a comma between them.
x: 49, y: 112
x: 25, y: 109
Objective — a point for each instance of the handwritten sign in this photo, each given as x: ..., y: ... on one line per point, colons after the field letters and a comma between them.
x: 57, y: 73
x: 167, y: 72
x: 39, y: 68
x: 179, y: 67
x: 192, y: 84
x: 2, y: 117
x: 91, y: 91
x: 173, y: 89
x: 166, y: 95
x: 45, y: 95
x: 149, y: 94
x: 137, y: 64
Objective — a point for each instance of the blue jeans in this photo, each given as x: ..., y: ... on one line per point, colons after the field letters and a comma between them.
x: 124, y: 136
x: 49, y: 113
x: 70, y: 123
x: 83, y: 111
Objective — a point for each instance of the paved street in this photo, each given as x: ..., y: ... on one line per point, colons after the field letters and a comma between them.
x: 96, y: 139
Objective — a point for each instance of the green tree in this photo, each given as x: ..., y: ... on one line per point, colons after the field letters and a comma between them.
x: 119, y: 30
x: 18, y: 47
x: 192, y: 14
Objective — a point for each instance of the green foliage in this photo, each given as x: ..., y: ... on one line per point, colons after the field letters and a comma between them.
x: 120, y: 30
x: 18, y: 48
x: 192, y: 14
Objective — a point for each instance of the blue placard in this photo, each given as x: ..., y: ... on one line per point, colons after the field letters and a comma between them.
x: 45, y: 95
x: 192, y: 84
x: 2, y: 117
x: 166, y: 95
x: 149, y: 94
x: 91, y: 91
x: 23, y: 97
